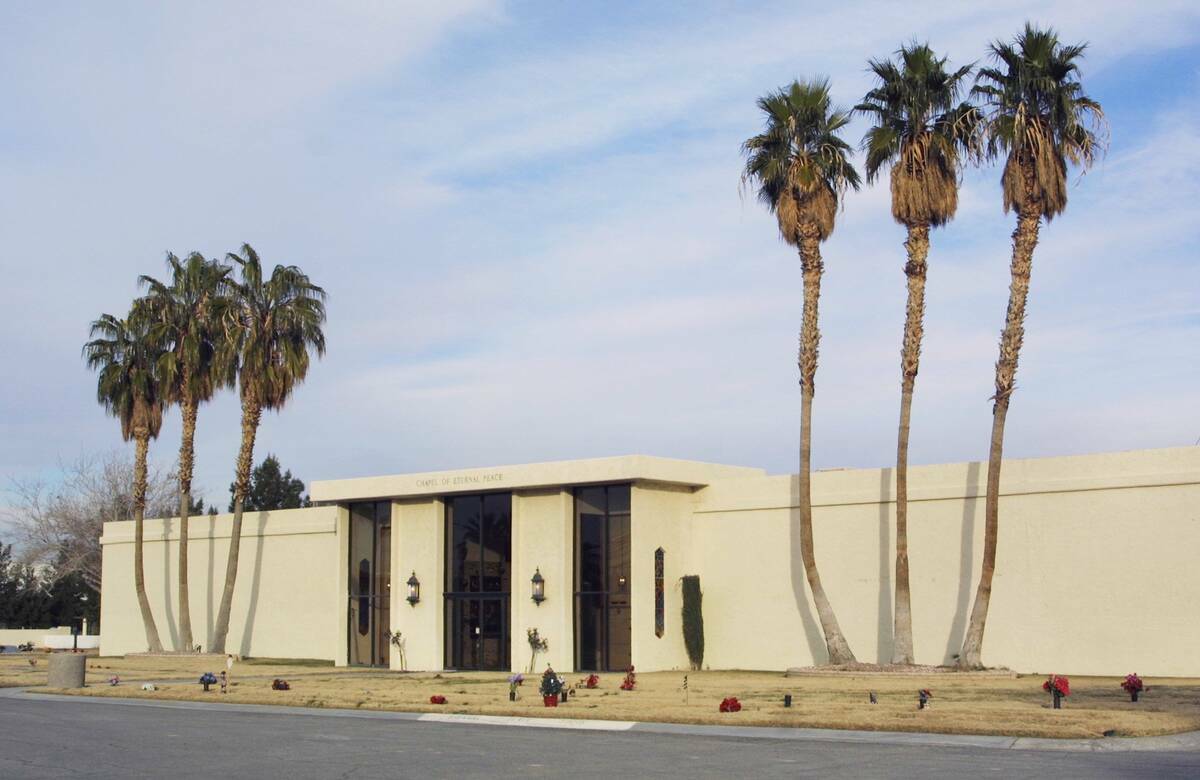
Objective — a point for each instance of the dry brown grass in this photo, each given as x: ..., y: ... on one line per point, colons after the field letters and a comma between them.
x: 962, y: 703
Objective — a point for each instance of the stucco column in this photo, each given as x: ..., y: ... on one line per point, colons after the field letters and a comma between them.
x: 542, y: 537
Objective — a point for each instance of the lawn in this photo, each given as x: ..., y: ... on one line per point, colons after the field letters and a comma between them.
x: 962, y: 703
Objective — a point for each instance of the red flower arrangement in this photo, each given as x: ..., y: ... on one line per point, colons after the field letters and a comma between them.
x: 730, y: 704
x: 1133, y: 686
x: 629, y: 681
x: 592, y: 681
x: 437, y: 699
x: 1057, y: 684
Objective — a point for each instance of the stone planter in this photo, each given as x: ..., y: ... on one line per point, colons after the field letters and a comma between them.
x: 1133, y: 695
x: 1057, y: 699
x: 66, y: 670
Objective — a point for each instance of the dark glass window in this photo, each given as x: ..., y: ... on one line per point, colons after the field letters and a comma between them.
x: 602, y: 603
x: 369, y: 588
x: 478, y: 580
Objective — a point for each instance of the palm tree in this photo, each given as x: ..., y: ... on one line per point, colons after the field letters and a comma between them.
x: 800, y: 168
x: 186, y: 316
x: 921, y: 130
x: 274, y: 322
x: 127, y: 387
x: 1038, y: 119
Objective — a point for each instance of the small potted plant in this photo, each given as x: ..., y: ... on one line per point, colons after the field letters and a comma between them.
x: 1133, y: 686
x: 207, y: 679
x: 550, y: 688
x: 1058, y: 686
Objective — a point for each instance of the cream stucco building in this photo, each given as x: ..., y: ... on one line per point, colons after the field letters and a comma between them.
x: 1096, y: 570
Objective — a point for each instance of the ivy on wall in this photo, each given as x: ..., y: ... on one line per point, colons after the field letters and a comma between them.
x: 693, y: 620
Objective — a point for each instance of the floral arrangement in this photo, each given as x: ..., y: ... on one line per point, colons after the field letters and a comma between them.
x: 280, y: 685
x: 207, y: 679
x: 551, y: 684
x: 592, y: 682
x: 629, y: 681
x: 1133, y: 685
x: 115, y: 680
x: 437, y: 699
x: 1057, y: 685
x: 730, y: 704
x: 516, y: 679
x: 923, y: 697
x: 148, y: 687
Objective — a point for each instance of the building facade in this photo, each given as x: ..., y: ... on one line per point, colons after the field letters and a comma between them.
x: 451, y: 570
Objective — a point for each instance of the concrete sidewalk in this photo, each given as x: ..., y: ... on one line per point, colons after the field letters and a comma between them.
x: 1189, y: 741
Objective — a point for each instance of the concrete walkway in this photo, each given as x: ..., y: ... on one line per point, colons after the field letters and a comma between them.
x: 1186, y: 742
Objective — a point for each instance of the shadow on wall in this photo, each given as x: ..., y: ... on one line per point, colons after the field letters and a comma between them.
x: 812, y: 630
x: 886, y: 627
x: 169, y: 584
x: 209, y: 617
x: 972, y: 499
x: 252, y: 609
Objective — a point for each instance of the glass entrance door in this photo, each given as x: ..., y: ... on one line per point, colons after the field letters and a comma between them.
x: 478, y: 581
x: 370, y: 583
x: 602, y: 611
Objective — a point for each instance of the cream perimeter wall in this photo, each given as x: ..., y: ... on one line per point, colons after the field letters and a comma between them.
x: 287, y: 603
x: 1096, y: 569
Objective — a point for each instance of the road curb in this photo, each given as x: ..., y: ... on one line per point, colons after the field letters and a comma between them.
x: 1186, y: 742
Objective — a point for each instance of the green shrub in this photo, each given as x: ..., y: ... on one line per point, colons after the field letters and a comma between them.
x: 693, y: 620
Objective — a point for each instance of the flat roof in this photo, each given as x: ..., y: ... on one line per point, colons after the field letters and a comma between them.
x: 623, y: 468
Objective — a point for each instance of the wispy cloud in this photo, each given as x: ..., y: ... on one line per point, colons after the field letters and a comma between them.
x: 539, y: 251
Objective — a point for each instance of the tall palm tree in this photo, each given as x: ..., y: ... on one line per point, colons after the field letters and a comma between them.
x: 922, y: 131
x: 274, y: 323
x: 1038, y: 118
x: 800, y: 168
x: 127, y: 359
x: 187, y: 319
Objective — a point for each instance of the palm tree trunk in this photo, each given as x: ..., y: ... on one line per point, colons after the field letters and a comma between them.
x: 251, y: 415
x: 810, y: 339
x: 917, y: 246
x: 186, y: 461
x: 1025, y: 238
x: 142, y: 441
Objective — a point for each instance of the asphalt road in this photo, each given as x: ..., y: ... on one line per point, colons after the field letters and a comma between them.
x: 113, y: 740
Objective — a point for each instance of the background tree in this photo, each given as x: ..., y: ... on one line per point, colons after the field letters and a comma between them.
x: 922, y: 131
x: 274, y: 322
x: 187, y: 316
x: 128, y: 388
x: 1038, y: 118
x: 59, y: 527
x: 270, y: 489
x: 800, y: 168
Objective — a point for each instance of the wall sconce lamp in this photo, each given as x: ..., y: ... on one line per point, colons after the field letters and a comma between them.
x: 414, y: 589
x: 539, y: 587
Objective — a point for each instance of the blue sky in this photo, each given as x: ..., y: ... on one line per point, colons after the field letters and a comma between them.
x: 528, y: 220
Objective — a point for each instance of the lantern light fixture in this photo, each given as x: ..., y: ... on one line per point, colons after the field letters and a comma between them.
x: 414, y: 589
x: 539, y: 587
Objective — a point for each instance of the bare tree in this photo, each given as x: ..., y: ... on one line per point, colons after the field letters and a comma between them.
x: 60, y: 524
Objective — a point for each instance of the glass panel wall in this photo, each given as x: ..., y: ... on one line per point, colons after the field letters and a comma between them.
x: 478, y: 580
x: 602, y: 552
x: 370, y: 582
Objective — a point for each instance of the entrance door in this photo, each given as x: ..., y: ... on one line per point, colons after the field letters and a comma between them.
x: 602, y: 611
x: 370, y: 583
x: 478, y: 581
